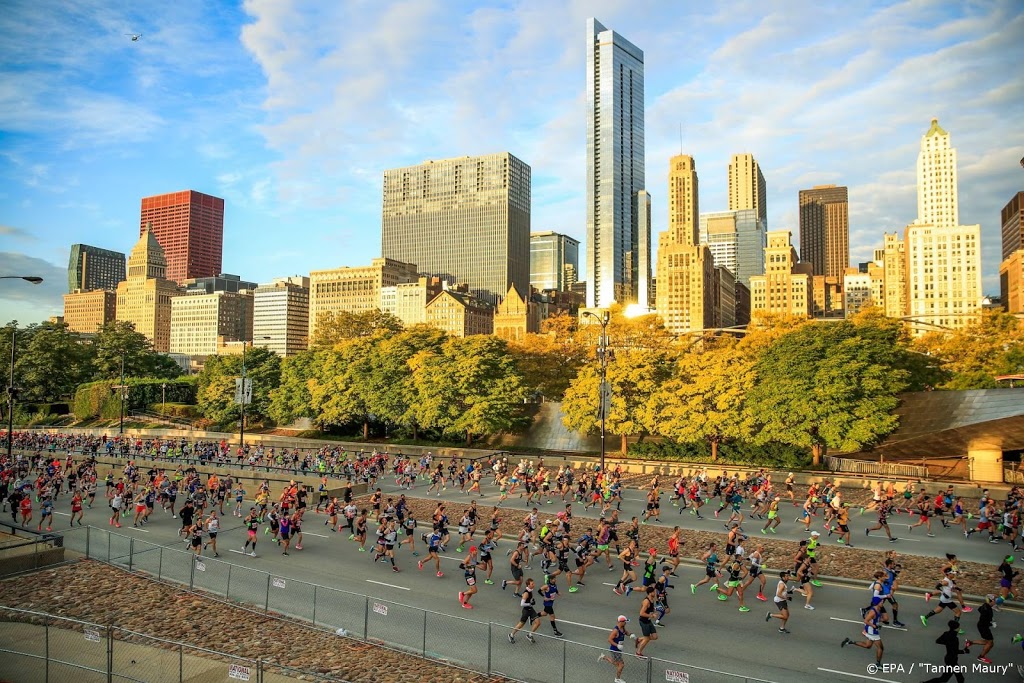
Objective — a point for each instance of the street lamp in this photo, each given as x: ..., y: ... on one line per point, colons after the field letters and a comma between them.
x: 602, y: 355
x: 12, y: 391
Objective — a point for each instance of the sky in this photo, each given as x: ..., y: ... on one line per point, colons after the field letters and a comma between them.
x: 291, y: 110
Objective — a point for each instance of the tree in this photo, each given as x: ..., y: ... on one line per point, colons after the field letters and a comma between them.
x: 704, y: 400
x: 634, y: 375
x: 332, y: 328
x: 548, y: 364
x: 216, y: 394
x: 290, y: 400
x: 117, y: 340
x: 51, y: 361
x: 973, y: 356
x: 471, y: 387
x: 339, y: 387
x: 828, y: 385
x: 391, y: 393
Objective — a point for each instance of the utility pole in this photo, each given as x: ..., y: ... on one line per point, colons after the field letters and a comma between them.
x: 241, y: 429
x: 605, y: 392
x: 123, y: 388
x: 11, y: 394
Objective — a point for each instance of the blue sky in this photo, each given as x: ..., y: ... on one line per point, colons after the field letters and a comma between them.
x: 292, y: 109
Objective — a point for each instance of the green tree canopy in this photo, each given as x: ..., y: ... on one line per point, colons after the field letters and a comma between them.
x: 391, y: 392
x: 117, y: 340
x: 291, y: 400
x: 216, y: 394
x: 339, y: 387
x: 973, y: 356
x: 51, y: 361
x: 828, y: 385
x: 332, y: 328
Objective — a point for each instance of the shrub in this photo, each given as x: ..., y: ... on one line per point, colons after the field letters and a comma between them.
x: 184, y: 410
x: 732, y: 453
x: 101, y: 399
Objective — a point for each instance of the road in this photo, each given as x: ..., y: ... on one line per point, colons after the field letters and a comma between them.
x: 701, y: 631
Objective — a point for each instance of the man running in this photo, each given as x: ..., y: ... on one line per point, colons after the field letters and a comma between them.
x: 781, y: 600
x: 647, y: 628
x: 252, y: 524
x: 529, y: 614
x: 548, y: 593
x: 872, y: 633
x: 614, y: 656
x: 469, y: 568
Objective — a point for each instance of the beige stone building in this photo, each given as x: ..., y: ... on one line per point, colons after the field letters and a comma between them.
x: 354, y: 289
x: 1011, y: 282
x: 894, y: 263
x: 861, y: 290
x: 144, y: 297
x: 747, y: 189
x: 826, y: 296
x: 280, y: 319
x: 407, y: 301
x: 459, y: 314
x: 686, y: 293
x: 86, y: 312
x: 943, y: 276
x: 516, y: 316
x: 201, y: 322
x: 785, y: 287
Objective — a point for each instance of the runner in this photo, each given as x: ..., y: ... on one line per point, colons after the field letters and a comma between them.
x: 1008, y: 574
x: 781, y: 599
x: 710, y: 560
x: 529, y: 614
x: 284, y: 525
x: 252, y: 524
x: 883, y: 508
x: 951, y: 641
x: 985, y: 626
x: 76, y: 508
x: 872, y: 634
x: 756, y: 572
x: 433, y: 541
x: 947, y: 590
x: 212, y: 529
x: 647, y: 628
x: 46, y: 514
x: 469, y: 566
x: 614, y: 656
x: 734, y: 583
x: 549, y: 592
x: 773, y: 516
x: 628, y: 557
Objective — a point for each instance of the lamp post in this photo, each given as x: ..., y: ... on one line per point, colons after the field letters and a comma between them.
x: 12, y: 391
x: 242, y: 397
x: 605, y: 392
x: 123, y: 388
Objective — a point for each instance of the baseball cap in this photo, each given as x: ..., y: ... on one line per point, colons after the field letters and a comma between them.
x: 815, y: 533
x: 622, y: 617
x: 472, y: 548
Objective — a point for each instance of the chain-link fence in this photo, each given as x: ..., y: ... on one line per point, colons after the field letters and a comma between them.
x: 477, y: 646
x: 40, y: 648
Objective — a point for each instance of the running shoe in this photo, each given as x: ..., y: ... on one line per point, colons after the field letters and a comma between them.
x: 816, y: 583
x: 693, y: 588
x: 1016, y: 639
x: 511, y: 639
x: 462, y: 597
x: 420, y: 565
x: 927, y: 597
x: 808, y: 606
x: 504, y: 584
x: 466, y: 605
x: 629, y: 589
x: 846, y: 641
x: 252, y: 554
x: 559, y: 634
x: 298, y: 547
x: 760, y: 596
x: 744, y: 609
x: 617, y: 590
x: 984, y: 659
x: 723, y: 597
x: 924, y: 620
x: 967, y: 609
x: 767, y: 617
x: 573, y: 589
x: 440, y: 574
x: 488, y: 582
x: 529, y: 637
x: 899, y: 624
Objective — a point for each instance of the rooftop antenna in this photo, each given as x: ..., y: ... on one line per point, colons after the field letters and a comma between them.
x: 680, y: 137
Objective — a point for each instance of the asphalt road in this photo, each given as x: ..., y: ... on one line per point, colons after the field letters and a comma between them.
x: 700, y: 632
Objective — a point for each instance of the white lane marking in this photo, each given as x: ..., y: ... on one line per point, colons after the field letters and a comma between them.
x: 389, y: 585
x: 232, y: 550
x: 870, y: 678
x: 854, y: 621
x: 135, y: 528
x: 310, y: 533
x: 576, y: 623
x: 62, y: 514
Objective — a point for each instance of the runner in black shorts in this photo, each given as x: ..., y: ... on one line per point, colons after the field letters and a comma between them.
x: 529, y: 614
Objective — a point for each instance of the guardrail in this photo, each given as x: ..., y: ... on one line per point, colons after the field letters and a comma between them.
x: 1012, y: 473
x: 878, y: 469
x: 459, y: 642
x: 28, y: 550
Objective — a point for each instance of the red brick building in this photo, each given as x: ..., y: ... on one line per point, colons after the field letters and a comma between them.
x: 189, y: 226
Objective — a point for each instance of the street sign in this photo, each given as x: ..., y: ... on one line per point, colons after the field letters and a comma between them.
x: 92, y: 635
x: 239, y: 672
x: 248, y: 391
x: 380, y: 609
x: 677, y: 676
x: 606, y: 398
x: 279, y: 583
x: 200, y: 567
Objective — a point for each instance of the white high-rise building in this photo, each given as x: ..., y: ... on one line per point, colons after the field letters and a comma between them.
x: 281, y: 315
x: 936, y: 180
x: 943, y: 257
x: 618, y: 232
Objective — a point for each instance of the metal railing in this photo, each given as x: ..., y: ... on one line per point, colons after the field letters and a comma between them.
x: 1012, y: 473
x: 28, y: 549
x: 46, y: 647
x: 878, y: 469
x: 459, y: 642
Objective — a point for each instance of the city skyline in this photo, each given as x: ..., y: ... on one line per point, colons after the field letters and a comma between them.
x: 221, y: 103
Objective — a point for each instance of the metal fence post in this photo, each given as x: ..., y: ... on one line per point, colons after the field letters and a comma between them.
x: 424, y: 634
x: 192, y: 574
x: 131, y: 552
x: 181, y: 663
x: 46, y: 631
x: 650, y: 670
x: 160, y: 564
x: 227, y: 591
x: 489, y: 639
x: 366, y: 617
x: 266, y: 604
x: 110, y: 652
x: 314, y: 605
x: 88, y: 533
x: 564, y: 664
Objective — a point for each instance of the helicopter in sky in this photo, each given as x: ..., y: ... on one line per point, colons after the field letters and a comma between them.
x: 134, y: 36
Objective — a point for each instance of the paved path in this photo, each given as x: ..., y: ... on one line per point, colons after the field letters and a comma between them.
x: 702, y: 631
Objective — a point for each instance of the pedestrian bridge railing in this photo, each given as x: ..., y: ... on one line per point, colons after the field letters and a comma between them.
x: 877, y: 469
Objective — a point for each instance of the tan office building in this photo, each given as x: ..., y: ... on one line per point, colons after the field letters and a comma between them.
x: 280, y: 319
x: 1011, y: 282
x: 785, y: 287
x: 747, y: 189
x: 86, y: 312
x: 685, y: 295
x: 354, y: 289
x: 144, y: 297
x: 825, y: 229
x: 826, y: 296
x: 894, y: 262
x: 201, y: 323
x: 459, y: 314
x: 861, y: 290
x: 943, y: 276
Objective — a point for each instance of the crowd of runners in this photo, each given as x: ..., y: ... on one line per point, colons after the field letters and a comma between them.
x: 499, y: 547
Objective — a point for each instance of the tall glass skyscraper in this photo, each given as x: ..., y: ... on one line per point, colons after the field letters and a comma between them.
x: 554, y: 260
x: 615, y: 170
